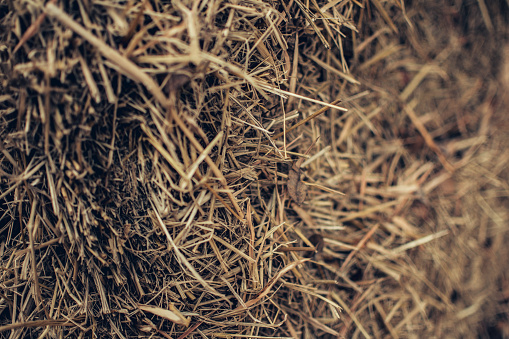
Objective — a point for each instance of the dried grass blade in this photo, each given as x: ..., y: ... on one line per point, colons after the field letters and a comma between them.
x: 427, y: 137
x: 352, y: 315
x: 30, y: 32
x: 89, y: 80
x: 32, y: 227
x: 420, y: 241
x: 173, y: 314
x: 283, y: 93
x: 41, y: 323
x: 368, y: 211
x: 384, y: 14
x: 203, y: 155
x: 329, y: 68
x: 359, y: 246
x: 311, y: 117
x: 232, y: 248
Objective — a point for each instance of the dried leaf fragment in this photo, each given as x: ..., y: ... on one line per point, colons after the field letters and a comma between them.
x: 296, y: 188
x: 318, y: 242
x: 173, y: 314
x: 176, y: 81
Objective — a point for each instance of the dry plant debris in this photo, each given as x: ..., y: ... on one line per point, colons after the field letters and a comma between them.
x: 251, y: 169
x: 142, y: 189
x: 296, y: 187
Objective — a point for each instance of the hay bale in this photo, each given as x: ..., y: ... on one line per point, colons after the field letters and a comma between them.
x: 253, y: 169
x: 143, y: 190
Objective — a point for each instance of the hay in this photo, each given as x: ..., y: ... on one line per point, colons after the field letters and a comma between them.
x: 143, y: 189
x: 252, y: 169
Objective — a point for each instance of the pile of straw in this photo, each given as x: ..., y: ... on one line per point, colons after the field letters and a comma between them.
x: 252, y: 169
x: 144, y: 188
